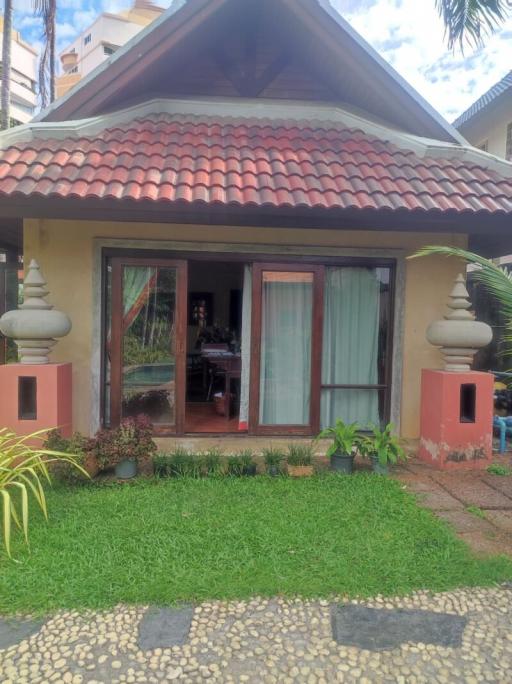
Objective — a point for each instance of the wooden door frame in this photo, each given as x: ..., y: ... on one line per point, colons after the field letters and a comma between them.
x: 180, y: 354
x: 318, y: 272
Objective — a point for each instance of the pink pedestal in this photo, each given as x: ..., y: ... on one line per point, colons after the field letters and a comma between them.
x: 36, y: 398
x: 456, y: 419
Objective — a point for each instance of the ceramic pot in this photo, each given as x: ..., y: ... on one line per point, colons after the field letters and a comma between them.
x: 249, y: 471
x: 274, y: 470
x: 300, y: 471
x: 342, y: 463
x: 378, y: 467
x: 127, y: 469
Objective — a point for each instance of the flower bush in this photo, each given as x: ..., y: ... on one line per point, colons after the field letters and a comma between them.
x: 131, y: 440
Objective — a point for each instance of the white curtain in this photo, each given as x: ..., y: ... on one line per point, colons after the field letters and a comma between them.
x: 350, y: 345
x: 285, y: 376
x: 246, y: 349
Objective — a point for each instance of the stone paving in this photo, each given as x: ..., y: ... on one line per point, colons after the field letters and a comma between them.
x: 460, y: 636
x: 477, y: 504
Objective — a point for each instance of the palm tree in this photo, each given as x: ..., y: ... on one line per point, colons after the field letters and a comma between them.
x: 5, y: 96
x: 495, y: 279
x: 471, y: 20
x: 47, y: 10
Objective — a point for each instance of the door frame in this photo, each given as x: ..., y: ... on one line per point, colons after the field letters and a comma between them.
x: 313, y: 427
x: 180, y: 353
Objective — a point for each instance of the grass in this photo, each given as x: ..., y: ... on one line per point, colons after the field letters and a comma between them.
x: 498, y: 469
x: 161, y: 541
x: 476, y: 511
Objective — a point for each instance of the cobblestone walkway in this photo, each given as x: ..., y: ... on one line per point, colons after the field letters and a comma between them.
x: 267, y: 641
x: 477, y: 504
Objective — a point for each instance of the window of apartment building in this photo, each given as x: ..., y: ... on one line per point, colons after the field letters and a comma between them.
x: 87, y: 39
x: 508, y: 151
x: 484, y: 146
x: 109, y: 49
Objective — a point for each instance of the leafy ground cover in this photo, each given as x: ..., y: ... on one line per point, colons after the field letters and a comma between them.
x: 162, y: 541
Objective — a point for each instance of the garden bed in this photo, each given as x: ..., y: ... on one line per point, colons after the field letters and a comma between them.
x: 160, y: 541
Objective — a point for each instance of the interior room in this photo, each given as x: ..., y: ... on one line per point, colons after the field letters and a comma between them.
x: 215, y: 301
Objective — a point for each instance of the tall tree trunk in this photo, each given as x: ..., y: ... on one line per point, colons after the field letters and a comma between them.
x: 6, y: 66
x: 51, y: 38
x: 47, y: 10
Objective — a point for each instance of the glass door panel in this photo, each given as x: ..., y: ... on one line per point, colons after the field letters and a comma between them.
x: 286, y: 368
x: 148, y: 342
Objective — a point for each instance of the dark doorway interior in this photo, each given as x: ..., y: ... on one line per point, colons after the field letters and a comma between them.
x: 215, y: 292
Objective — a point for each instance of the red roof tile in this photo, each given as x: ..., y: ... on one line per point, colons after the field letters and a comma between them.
x: 171, y: 158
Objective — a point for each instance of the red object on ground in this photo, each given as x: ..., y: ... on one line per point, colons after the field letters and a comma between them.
x: 36, y: 397
x: 456, y: 419
x: 249, y: 162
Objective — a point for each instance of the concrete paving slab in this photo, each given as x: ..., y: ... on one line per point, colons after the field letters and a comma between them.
x: 382, y: 629
x: 503, y: 484
x: 467, y: 522
x: 501, y: 519
x: 165, y: 627
x: 14, y: 630
x: 439, y: 500
x: 472, y: 490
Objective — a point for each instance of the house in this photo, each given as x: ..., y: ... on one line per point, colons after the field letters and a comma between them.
x: 487, y: 123
x: 225, y: 209
x: 23, y: 77
x: 101, y: 39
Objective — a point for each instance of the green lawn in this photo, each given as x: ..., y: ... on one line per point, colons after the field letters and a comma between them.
x: 168, y: 540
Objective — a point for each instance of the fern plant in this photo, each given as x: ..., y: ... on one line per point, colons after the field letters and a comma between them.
x: 24, y: 469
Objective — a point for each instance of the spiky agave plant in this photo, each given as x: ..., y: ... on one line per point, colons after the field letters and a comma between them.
x: 494, y: 278
x: 23, y: 471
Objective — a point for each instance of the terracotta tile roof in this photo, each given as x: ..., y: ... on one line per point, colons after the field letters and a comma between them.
x: 248, y: 162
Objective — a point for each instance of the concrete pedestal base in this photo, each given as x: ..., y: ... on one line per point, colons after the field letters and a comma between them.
x: 456, y: 419
x: 36, y: 397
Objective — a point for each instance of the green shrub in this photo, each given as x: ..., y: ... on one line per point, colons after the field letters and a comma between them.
x: 78, y: 446
x: 235, y: 466
x: 300, y: 454
x: 212, y: 463
x: 161, y: 465
x: 273, y: 456
x: 184, y: 464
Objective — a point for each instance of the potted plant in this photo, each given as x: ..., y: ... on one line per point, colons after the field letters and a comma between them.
x: 273, y: 460
x: 383, y: 448
x: 248, y: 464
x: 125, y: 447
x: 345, y: 441
x: 300, y: 460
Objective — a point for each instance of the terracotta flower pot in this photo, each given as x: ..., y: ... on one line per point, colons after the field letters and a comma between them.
x: 300, y: 470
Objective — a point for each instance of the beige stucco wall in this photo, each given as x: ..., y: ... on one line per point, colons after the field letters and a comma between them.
x: 491, y: 126
x: 65, y: 251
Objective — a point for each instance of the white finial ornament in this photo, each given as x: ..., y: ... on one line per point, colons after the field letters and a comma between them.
x: 459, y: 335
x: 36, y: 323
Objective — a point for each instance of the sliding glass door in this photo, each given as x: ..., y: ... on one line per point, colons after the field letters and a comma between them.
x: 146, y: 342
x: 286, y: 348
x: 356, y: 342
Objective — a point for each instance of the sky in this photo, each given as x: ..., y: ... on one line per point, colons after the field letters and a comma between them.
x: 407, y: 33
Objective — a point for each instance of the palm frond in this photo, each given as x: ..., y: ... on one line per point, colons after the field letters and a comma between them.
x: 471, y: 20
x: 495, y: 279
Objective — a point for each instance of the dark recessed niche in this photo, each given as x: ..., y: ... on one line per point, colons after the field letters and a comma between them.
x: 27, y: 398
x: 467, y: 403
